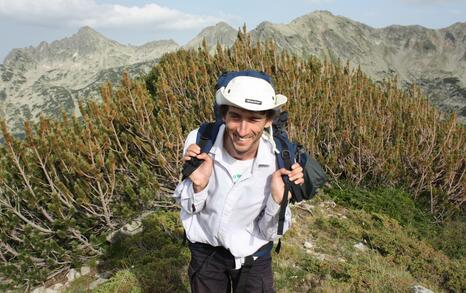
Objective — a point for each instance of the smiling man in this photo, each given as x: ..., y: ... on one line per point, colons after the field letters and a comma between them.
x: 231, y: 202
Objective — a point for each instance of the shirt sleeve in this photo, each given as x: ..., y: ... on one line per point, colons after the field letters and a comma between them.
x: 268, y: 220
x: 184, y: 193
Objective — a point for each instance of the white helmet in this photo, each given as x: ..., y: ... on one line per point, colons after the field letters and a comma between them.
x: 250, y: 93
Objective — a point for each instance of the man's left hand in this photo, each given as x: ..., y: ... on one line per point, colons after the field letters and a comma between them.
x: 296, y: 175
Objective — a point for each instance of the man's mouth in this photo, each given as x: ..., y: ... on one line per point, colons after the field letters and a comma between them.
x: 246, y: 138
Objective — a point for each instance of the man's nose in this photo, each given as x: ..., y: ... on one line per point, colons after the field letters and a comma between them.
x: 243, y: 128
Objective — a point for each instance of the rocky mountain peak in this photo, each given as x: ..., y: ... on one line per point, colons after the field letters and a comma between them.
x: 87, y: 30
x: 85, y: 41
x: 18, y: 58
x: 51, y: 77
x: 86, y: 33
x: 318, y: 15
x: 322, y: 20
x: 222, y: 33
x: 223, y: 25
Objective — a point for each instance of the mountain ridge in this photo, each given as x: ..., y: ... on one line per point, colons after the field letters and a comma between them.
x: 51, y: 77
x: 434, y: 59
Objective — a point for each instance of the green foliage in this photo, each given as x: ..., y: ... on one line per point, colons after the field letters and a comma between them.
x: 368, y: 133
x: 393, y: 202
x: 156, y: 257
x: 449, y: 236
x: 123, y: 282
x: 69, y: 182
x: 394, y: 261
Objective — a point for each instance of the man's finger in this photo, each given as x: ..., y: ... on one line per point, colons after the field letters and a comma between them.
x: 283, y: 172
x: 295, y: 165
x: 296, y: 168
x: 295, y: 177
x: 204, y: 157
x: 195, y: 148
x: 191, y: 153
x: 299, y: 181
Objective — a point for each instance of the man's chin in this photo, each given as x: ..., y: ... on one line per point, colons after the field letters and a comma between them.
x: 241, y: 149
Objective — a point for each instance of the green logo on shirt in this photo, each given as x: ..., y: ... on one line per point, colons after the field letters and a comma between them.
x: 236, y: 177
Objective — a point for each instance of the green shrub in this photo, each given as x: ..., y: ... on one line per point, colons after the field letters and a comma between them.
x: 450, y: 236
x: 156, y: 257
x: 396, y: 258
x: 123, y: 282
x: 69, y: 182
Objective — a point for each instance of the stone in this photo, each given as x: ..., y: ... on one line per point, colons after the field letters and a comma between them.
x: 40, y: 289
x: 112, y: 236
x: 72, y: 275
x: 320, y: 256
x: 308, y: 245
x: 328, y: 204
x: 360, y: 246
x: 57, y: 286
x: 96, y: 283
x: 104, y: 275
x: 420, y: 289
x: 132, y: 228
x: 85, y: 270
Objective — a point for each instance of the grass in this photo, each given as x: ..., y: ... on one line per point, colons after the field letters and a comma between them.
x: 395, y: 260
x: 80, y: 285
x: 124, y: 281
x: 449, y: 236
x: 155, y: 258
x: 318, y: 253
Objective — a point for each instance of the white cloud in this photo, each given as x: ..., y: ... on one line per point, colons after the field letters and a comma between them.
x: 88, y: 12
x: 427, y: 2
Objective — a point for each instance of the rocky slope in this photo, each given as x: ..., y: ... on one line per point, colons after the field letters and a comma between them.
x: 50, y: 78
x: 221, y: 33
x: 433, y: 59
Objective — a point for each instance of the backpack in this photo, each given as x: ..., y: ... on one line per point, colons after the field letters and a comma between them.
x: 289, y: 153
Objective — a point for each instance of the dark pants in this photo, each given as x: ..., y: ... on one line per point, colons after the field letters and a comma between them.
x: 212, y: 270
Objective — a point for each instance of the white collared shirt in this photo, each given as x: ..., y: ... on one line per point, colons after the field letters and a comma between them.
x: 239, y: 216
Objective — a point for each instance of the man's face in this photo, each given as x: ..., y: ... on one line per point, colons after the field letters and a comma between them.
x: 243, y: 130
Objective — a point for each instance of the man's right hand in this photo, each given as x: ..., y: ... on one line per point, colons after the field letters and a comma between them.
x: 200, y: 176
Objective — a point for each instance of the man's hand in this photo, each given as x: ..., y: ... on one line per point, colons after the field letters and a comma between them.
x: 296, y: 175
x: 200, y: 176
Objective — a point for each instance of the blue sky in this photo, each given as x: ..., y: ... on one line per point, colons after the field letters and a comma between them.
x: 28, y: 22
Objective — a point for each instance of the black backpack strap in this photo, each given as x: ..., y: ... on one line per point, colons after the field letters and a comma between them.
x: 296, y: 192
x: 205, y: 140
x: 243, y: 277
x: 248, y: 262
x: 282, y: 211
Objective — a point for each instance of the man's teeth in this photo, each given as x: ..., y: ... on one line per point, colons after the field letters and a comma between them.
x: 242, y: 138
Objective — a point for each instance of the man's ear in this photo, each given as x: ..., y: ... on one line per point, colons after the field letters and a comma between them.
x: 268, y: 123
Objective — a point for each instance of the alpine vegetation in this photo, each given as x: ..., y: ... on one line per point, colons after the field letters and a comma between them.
x: 71, y: 181
x: 365, y: 132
